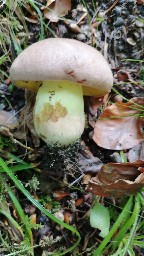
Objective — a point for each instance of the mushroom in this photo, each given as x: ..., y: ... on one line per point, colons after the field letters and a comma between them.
x: 61, y: 71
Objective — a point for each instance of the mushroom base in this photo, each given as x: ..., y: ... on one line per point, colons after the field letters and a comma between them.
x: 59, y: 113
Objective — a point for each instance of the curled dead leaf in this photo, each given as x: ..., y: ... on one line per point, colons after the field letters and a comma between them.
x: 123, y: 75
x: 139, y: 2
x: 92, y: 105
x: 79, y: 201
x: 26, y: 118
x: 8, y: 119
x: 136, y: 153
x: 120, y: 125
x: 68, y: 216
x: 118, y: 179
x: 59, y: 195
x: 32, y: 19
x: 55, y: 9
x: 89, y: 163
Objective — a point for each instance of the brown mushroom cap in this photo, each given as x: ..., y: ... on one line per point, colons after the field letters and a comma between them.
x: 62, y: 59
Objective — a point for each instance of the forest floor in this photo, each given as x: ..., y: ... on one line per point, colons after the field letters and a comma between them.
x: 98, y: 184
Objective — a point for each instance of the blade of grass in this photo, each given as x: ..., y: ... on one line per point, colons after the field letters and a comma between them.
x: 33, y: 4
x: 20, y: 213
x: 132, y: 60
x: 40, y: 207
x: 138, y: 106
x: 141, y: 225
x: 18, y: 253
x: 11, y: 219
x: 125, y: 227
x: 20, y: 167
x: 102, y: 246
x: 123, y: 157
x: 9, y: 155
x: 134, y: 227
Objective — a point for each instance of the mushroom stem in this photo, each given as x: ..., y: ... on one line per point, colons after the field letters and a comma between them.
x: 59, y: 112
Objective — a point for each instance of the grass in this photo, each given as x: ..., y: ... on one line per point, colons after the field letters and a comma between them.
x: 123, y: 238
x: 19, y: 185
x: 18, y: 230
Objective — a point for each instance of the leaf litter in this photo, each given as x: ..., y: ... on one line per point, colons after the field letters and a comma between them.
x: 56, y: 9
x: 120, y: 125
x: 118, y: 179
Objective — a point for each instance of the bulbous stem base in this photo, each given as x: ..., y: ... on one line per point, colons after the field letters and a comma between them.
x: 59, y: 112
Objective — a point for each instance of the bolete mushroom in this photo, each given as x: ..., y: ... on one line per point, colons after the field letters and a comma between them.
x: 61, y: 71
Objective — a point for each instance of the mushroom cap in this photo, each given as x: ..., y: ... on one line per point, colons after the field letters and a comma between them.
x: 62, y: 59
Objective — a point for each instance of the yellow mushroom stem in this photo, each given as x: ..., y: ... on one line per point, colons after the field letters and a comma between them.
x: 59, y: 112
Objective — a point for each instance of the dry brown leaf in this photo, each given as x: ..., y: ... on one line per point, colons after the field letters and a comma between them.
x: 123, y: 75
x: 89, y: 163
x: 92, y: 105
x: 86, y: 178
x: 54, y: 10
x: 32, y: 19
x: 118, y: 179
x: 136, y: 153
x: 120, y: 126
x: 8, y: 119
x: 27, y: 116
x: 59, y: 195
x: 139, y: 2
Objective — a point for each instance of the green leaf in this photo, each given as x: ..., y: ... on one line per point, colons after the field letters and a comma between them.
x: 114, y: 228
x: 100, y: 218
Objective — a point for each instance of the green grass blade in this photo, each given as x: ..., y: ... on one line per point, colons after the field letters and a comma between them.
x: 20, y: 167
x: 40, y: 207
x: 135, y: 221
x: 13, y: 222
x: 125, y: 228
x: 20, y: 213
x: 102, y: 246
x: 132, y: 60
x: 33, y: 4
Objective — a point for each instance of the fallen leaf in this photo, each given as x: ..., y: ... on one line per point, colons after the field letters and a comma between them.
x: 33, y: 219
x: 123, y: 75
x: 86, y: 178
x: 32, y: 19
x: 59, y: 215
x: 26, y: 117
x: 136, y: 153
x: 59, y: 195
x: 131, y: 41
x: 79, y: 201
x: 89, y: 163
x: 120, y: 125
x: 100, y: 218
x: 68, y: 217
x: 8, y: 119
x: 54, y: 10
x: 139, y: 2
x: 118, y: 179
x: 94, y: 103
